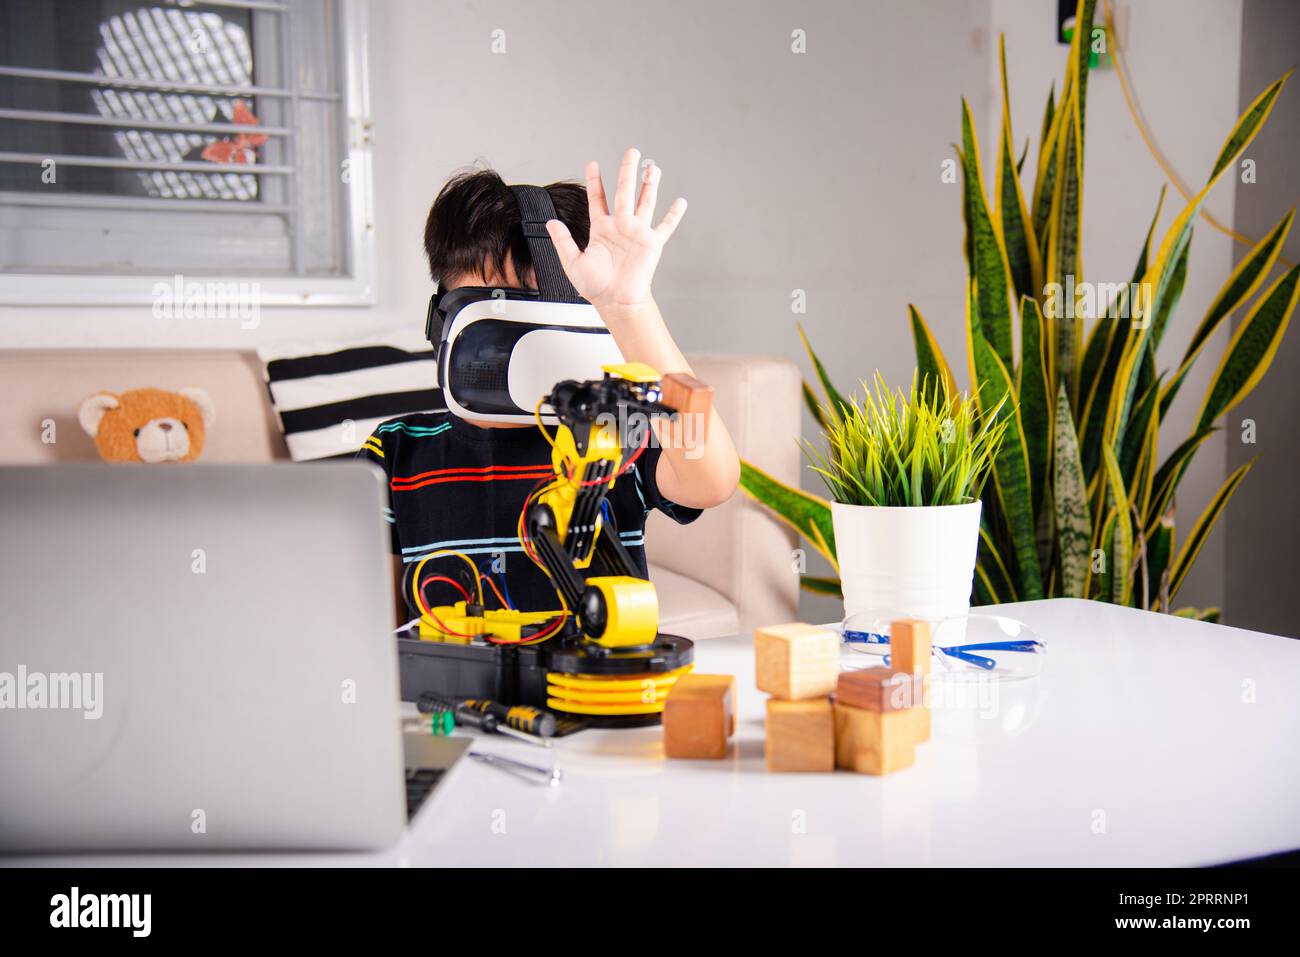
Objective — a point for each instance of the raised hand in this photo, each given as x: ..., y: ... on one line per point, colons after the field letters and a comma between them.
x: 616, y: 268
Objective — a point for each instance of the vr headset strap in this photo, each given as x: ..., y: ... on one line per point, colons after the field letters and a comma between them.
x: 535, y: 208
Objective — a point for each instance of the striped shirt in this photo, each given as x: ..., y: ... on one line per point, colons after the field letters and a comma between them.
x: 454, y: 485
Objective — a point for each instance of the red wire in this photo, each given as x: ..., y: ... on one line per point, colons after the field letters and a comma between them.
x: 645, y: 443
x: 550, y: 630
x: 424, y: 607
x: 450, y: 581
x: 559, y: 623
x: 626, y: 465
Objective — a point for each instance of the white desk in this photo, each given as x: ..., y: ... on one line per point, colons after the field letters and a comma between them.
x: 1148, y: 740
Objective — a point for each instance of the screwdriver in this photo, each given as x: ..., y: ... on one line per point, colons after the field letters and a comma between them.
x: 530, y: 772
x: 437, y: 707
x: 521, y: 717
x: 439, y: 724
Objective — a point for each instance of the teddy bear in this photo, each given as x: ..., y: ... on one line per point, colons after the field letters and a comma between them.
x: 148, y: 425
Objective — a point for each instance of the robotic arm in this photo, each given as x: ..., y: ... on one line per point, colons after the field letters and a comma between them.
x: 565, y: 525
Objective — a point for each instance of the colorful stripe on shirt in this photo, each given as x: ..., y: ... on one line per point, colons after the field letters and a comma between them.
x: 491, y: 473
x: 415, y: 431
x: 490, y: 546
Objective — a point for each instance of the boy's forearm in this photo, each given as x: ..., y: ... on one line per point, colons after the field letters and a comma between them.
x: 699, y: 467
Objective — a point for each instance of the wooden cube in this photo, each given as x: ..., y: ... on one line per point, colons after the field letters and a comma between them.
x: 881, y: 689
x: 687, y: 394
x: 800, y: 735
x: 874, y: 742
x: 699, y: 716
x: 909, y: 646
x: 796, y: 661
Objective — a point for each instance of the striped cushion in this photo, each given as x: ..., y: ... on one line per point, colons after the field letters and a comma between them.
x: 330, y: 396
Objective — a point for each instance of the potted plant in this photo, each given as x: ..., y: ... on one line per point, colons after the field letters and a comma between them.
x: 905, y: 472
x: 1084, y: 502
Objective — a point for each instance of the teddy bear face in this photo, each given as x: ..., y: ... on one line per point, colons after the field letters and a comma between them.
x: 166, y: 439
x: 148, y: 425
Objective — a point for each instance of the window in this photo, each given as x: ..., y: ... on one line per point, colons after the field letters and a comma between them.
x: 142, y: 140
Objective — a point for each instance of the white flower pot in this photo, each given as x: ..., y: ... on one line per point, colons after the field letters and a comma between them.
x: 914, y: 562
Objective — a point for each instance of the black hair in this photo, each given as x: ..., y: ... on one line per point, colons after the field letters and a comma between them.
x: 475, y: 220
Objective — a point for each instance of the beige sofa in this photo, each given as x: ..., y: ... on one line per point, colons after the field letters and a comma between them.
x: 728, y: 572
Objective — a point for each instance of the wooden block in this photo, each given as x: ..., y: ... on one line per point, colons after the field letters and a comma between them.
x: 881, y: 689
x: 796, y: 661
x: 874, y: 742
x: 800, y: 735
x: 909, y: 646
x: 887, y: 689
x: 699, y: 716
x: 687, y: 394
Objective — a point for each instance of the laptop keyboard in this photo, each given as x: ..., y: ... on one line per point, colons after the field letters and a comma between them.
x: 419, y: 783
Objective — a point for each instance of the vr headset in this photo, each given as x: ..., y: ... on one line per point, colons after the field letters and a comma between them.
x: 499, y: 351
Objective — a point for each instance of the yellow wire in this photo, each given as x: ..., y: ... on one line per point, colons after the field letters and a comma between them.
x: 415, y: 590
x: 478, y: 581
x: 1148, y: 138
x: 537, y: 414
x: 415, y: 578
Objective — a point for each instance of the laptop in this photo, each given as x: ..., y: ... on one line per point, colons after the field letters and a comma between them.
x: 199, y: 657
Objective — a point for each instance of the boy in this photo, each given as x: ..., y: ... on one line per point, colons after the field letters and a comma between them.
x: 457, y: 484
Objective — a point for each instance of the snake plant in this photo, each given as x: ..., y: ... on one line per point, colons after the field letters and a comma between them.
x: 1081, y: 504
